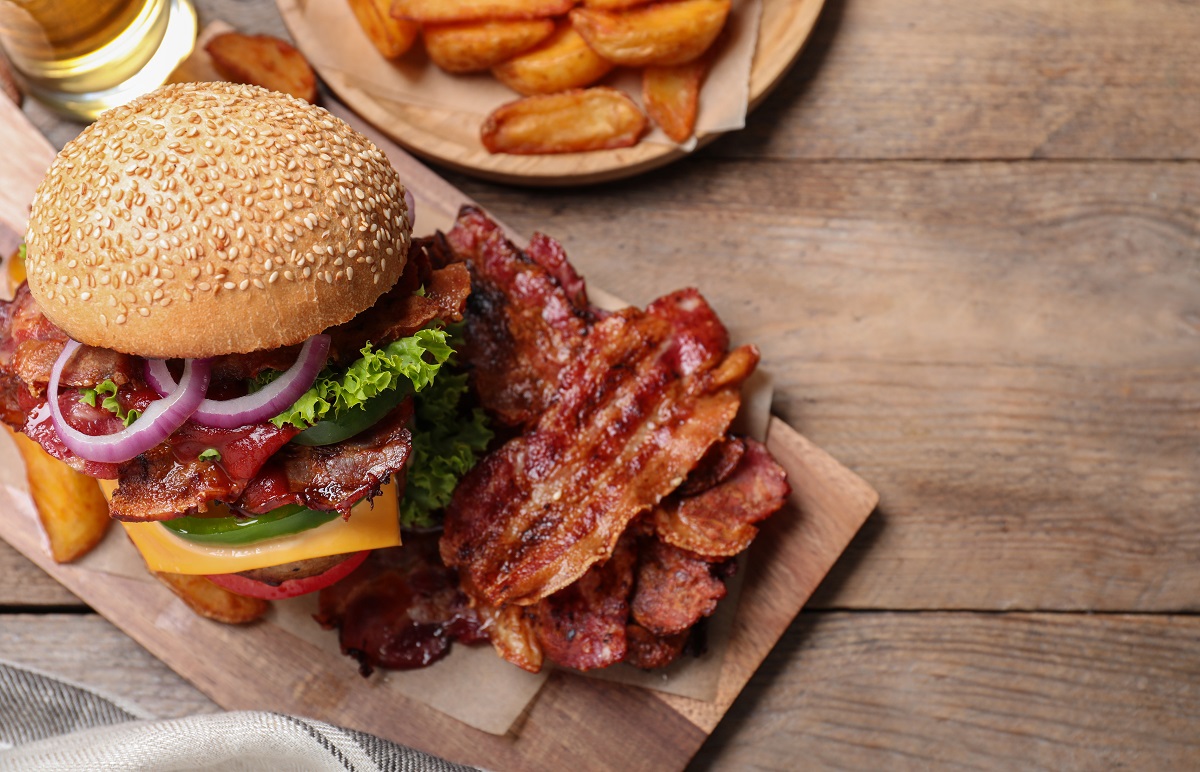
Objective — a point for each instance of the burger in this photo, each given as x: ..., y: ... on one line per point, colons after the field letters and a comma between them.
x: 226, y: 322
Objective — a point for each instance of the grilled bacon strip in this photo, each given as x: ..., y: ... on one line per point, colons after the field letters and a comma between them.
x: 400, y: 609
x: 30, y: 344
x: 649, y: 651
x: 169, y: 480
x: 625, y: 428
x: 583, y: 625
x: 719, y: 522
x: 400, y: 313
x: 674, y: 589
x: 333, y: 477
x: 524, y: 327
x: 513, y: 636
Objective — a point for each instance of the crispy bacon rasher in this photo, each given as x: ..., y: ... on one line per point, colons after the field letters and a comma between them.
x: 333, y: 477
x: 400, y: 609
x: 559, y: 532
x: 528, y: 326
x: 583, y: 625
x: 644, y: 600
x: 635, y: 410
x: 718, y: 522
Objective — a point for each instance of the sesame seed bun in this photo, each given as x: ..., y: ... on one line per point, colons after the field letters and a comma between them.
x: 214, y: 218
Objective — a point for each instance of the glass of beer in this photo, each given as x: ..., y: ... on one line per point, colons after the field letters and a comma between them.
x: 82, y: 57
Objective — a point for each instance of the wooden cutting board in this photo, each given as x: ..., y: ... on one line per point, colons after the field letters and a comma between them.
x: 574, y: 722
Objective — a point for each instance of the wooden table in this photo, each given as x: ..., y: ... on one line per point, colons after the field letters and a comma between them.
x: 966, y: 237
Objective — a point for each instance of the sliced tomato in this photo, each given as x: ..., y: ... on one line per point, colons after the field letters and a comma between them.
x: 243, y: 585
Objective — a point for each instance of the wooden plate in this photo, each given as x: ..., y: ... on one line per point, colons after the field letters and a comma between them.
x: 574, y: 722
x: 439, y: 135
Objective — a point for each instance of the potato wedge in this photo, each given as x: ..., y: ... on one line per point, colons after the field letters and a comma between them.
x: 614, y: 5
x: 662, y: 34
x: 671, y: 96
x: 392, y: 37
x: 445, y: 11
x: 264, y: 61
x: 476, y: 46
x: 563, y: 61
x: 213, y: 602
x: 70, y: 506
x: 568, y: 122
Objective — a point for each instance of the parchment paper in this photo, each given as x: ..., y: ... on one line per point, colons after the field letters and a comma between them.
x: 333, y: 40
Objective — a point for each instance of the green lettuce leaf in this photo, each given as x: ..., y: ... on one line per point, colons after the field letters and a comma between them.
x: 408, y: 363
x: 446, y: 443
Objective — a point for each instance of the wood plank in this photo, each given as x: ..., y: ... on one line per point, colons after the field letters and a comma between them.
x: 22, y: 584
x: 86, y: 650
x: 978, y: 691
x: 987, y: 79
x: 1007, y: 352
x: 866, y: 690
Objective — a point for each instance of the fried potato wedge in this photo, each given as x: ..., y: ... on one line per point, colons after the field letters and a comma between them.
x: 445, y: 11
x: 476, y: 46
x: 213, y: 602
x: 614, y: 5
x: 568, y: 122
x: 662, y: 34
x: 392, y: 37
x: 70, y: 506
x: 671, y: 96
x: 263, y: 60
x: 563, y: 61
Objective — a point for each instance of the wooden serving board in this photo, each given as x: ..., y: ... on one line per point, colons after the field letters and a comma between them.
x: 452, y: 138
x: 574, y: 721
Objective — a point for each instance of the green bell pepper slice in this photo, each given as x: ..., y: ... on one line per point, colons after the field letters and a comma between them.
x: 344, y: 427
x: 284, y: 521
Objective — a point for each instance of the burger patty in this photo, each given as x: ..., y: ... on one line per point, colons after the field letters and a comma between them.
x: 298, y: 569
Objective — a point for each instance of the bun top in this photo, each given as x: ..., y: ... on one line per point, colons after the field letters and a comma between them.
x: 214, y: 218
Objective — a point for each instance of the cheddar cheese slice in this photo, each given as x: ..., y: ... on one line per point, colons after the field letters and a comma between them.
x: 372, y: 525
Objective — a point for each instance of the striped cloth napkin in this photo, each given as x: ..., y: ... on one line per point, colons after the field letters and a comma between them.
x: 49, y: 724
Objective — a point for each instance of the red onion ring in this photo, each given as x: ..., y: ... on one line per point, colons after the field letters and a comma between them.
x: 266, y: 403
x: 159, y: 421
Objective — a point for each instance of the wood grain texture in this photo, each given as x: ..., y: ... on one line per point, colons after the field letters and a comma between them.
x: 1012, y: 79
x: 1008, y: 351
x: 24, y: 585
x: 113, y: 665
x: 904, y: 691
x: 865, y: 690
